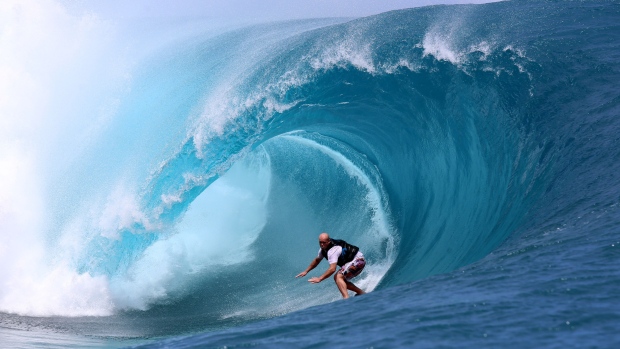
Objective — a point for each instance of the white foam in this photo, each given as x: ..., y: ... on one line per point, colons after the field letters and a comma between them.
x: 483, y: 47
x: 29, y: 285
x: 58, y: 291
x: 121, y: 212
x: 221, y: 108
x: 342, y: 54
x: 273, y: 106
x: 402, y: 63
x: 440, y: 43
x: 440, y: 47
x: 44, y: 85
x: 224, y: 108
x: 41, y: 281
x: 216, y: 230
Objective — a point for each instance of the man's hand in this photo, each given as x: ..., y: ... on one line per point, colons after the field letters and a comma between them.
x: 314, y: 280
x: 302, y: 274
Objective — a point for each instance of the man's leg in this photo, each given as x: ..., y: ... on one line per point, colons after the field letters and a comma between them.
x: 342, y: 284
x: 351, y: 269
x: 354, y: 288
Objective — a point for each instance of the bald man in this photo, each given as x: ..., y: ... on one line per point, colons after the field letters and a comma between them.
x: 338, y: 253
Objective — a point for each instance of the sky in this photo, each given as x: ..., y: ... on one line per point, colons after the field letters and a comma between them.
x: 248, y: 10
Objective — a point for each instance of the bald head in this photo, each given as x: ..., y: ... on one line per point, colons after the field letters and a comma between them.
x: 324, y: 240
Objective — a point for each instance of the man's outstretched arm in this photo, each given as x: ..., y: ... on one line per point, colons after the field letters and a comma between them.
x: 328, y: 273
x: 312, y: 265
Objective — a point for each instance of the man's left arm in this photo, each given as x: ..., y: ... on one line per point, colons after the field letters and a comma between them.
x: 328, y: 273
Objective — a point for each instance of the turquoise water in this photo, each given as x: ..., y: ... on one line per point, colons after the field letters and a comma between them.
x: 470, y: 151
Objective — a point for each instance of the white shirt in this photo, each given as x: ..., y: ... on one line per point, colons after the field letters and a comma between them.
x: 334, y: 252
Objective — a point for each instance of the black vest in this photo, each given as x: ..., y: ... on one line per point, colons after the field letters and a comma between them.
x: 348, y: 251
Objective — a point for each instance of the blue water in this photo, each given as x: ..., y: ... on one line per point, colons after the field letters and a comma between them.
x: 470, y: 151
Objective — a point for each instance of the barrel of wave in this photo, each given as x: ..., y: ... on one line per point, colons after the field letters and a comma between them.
x: 320, y: 184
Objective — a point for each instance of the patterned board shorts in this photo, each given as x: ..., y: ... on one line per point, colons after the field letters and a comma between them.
x: 353, y: 268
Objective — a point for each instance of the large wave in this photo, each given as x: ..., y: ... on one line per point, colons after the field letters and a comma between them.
x: 269, y: 135
x: 411, y: 134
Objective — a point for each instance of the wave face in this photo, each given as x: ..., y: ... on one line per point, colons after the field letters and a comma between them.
x: 432, y: 138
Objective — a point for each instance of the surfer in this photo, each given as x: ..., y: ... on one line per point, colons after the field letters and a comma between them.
x: 338, y: 252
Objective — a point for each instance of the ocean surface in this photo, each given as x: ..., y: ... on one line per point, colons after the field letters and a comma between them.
x: 472, y: 152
